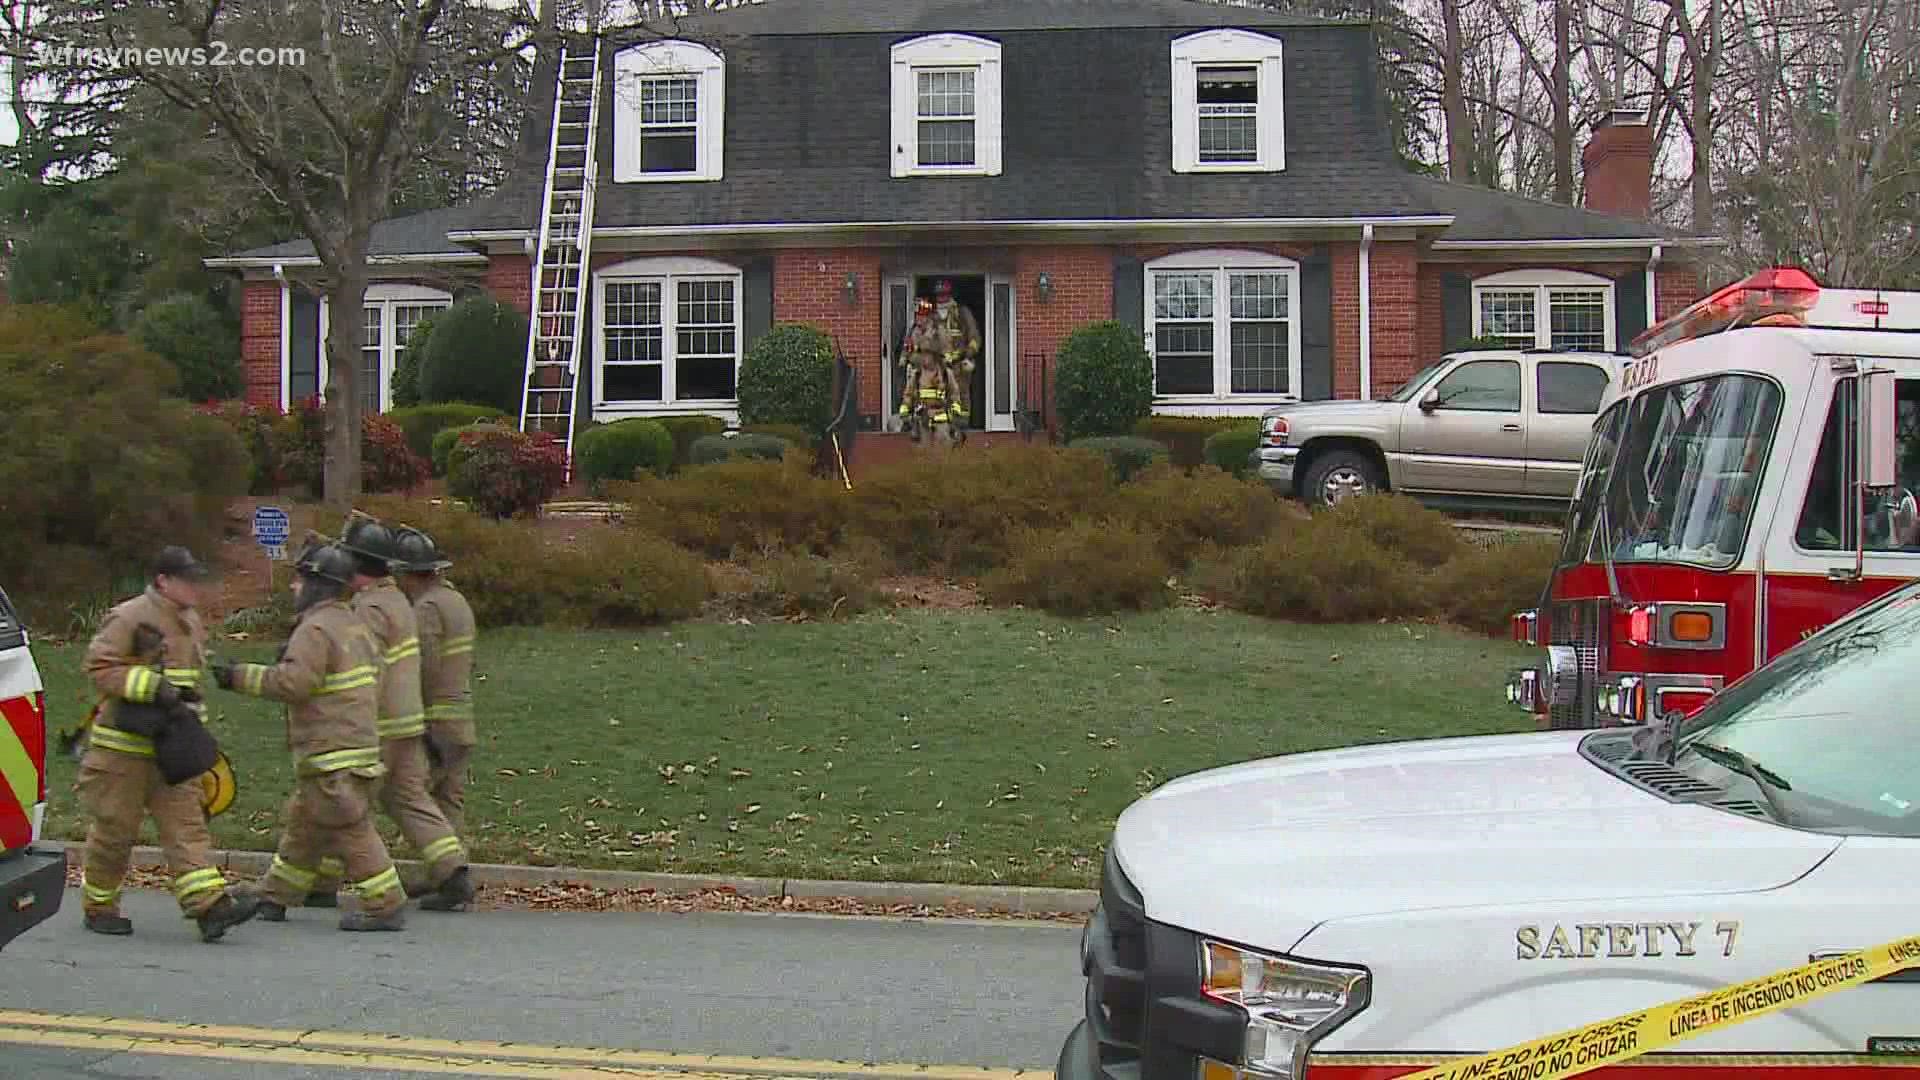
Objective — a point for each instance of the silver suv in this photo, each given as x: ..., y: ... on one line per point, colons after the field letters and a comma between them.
x: 1480, y: 429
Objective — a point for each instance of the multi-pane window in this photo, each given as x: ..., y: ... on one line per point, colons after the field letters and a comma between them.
x: 669, y: 124
x: 1577, y: 319
x: 944, y: 116
x: 669, y: 113
x: 1228, y: 100
x: 388, y: 319
x: 669, y: 339
x: 1545, y: 310
x: 1506, y: 316
x: 371, y: 367
x: 1203, y: 346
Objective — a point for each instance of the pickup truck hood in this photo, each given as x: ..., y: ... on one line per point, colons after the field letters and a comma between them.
x: 1262, y: 852
x: 1331, y: 410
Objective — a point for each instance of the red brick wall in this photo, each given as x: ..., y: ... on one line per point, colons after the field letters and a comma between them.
x: 1673, y: 290
x: 1394, y: 315
x: 260, y: 341
x: 510, y: 280
x: 805, y: 292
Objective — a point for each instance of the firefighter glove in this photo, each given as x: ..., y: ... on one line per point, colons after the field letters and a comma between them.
x: 222, y: 674
x: 166, y: 694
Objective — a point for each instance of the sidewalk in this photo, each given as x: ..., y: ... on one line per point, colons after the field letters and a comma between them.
x: 998, y: 899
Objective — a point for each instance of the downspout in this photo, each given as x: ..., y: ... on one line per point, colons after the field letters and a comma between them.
x: 1366, y: 313
x: 1653, y: 265
x: 286, y: 336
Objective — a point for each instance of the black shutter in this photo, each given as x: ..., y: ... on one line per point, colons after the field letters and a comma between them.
x: 1129, y: 296
x: 303, y: 345
x: 1316, y: 326
x: 1456, y: 308
x: 1629, y: 308
x: 756, y: 315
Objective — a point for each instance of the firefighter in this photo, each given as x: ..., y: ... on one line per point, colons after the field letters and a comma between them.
x: 403, y: 723
x: 328, y: 675
x: 447, y: 633
x: 146, y: 658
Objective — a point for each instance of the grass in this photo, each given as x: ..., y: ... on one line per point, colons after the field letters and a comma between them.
x: 988, y: 746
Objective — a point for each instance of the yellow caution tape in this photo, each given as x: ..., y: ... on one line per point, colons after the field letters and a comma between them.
x: 1582, y: 1049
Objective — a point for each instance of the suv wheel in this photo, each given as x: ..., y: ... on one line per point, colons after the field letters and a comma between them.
x: 1338, y: 475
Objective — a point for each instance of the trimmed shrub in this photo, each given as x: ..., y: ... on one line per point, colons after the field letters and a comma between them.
x: 804, y: 585
x: 387, y: 462
x: 188, y: 332
x: 477, y: 353
x: 616, y: 451
x: 1323, y: 571
x: 505, y: 473
x: 787, y: 378
x: 793, y: 433
x: 1125, y: 454
x: 745, y: 505
x: 406, y: 366
x: 1190, y: 511
x: 423, y: 422
x: 256, y: 426
x: 1229, y: 448
x: 1185, y: 437
x: 1400, y: 525
x: 612, y: 579
x: 1483, y: 586
x: 686, y: 430
x: 708, y: 449
x: 1103, y: 381
x: 1092, y: 567
x: 446, y: 439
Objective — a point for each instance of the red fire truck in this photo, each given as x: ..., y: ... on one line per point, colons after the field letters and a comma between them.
x: 32, y: 880
x: 1750, y: 478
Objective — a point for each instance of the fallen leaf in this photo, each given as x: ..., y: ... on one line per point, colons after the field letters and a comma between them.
x: 753, y: 808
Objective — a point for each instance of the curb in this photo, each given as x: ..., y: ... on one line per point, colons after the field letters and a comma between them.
x: 1002, y: 899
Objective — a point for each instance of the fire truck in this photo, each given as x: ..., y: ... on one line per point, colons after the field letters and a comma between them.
x: 1750, y: 478
x: 32, y: 881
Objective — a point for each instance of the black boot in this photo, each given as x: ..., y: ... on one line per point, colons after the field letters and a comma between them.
x: 322, y: 898
x: 226, y: 913
x: 271, y: 911
x: 454, y: 894
x: 101, y: 922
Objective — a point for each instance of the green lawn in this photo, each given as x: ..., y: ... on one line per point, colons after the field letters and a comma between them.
x: 984, y: 746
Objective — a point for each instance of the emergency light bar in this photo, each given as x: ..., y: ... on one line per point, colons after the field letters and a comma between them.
x: 1782, y: 296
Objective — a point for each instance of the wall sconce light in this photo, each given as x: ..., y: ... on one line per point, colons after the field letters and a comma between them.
x: 1045, y: 286
x: 851, y: 286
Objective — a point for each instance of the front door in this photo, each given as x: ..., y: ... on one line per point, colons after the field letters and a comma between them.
x: 1475, y: 440
x: 894, y: 320
x: 1566, y: 397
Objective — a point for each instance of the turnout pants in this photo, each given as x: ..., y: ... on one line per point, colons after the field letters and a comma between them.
x: 333, y: 813
x: 119, y: 790
x: 447, y: 782
x: 403, y: 796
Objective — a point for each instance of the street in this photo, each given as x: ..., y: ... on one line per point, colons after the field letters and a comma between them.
x: 796, y: 991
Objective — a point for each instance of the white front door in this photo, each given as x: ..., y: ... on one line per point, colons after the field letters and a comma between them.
x: 1001, y: 354
x: 896, y: 314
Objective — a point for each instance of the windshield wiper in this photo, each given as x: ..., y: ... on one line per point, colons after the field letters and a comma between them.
x: 1763, y: 778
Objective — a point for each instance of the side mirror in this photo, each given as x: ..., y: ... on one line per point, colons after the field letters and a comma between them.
x: 1878, y: 441
x: 1430, y: 400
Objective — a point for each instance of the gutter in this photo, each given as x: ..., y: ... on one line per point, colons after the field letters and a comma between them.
x: 779, y: 228
x: 1582, y: 244
x: 280, y: 262
x: 1366, y: 312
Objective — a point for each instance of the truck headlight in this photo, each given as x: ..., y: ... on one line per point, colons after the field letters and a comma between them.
x: 1290, y: 1004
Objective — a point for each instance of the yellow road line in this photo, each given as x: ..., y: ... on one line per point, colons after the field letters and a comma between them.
x: 441, y: 1055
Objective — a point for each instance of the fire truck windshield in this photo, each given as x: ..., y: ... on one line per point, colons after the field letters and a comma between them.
x: 1677, y: 467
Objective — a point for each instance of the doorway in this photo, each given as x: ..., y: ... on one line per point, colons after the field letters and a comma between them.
x: 970, y: 292
x: 990, y: 299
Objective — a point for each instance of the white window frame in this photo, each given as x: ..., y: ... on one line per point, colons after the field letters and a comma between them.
x: 1210, y: 48
x: 386, y: 297
x: 681, y: 59
x: 668, y: 272
x: 936, y: 52
x: 1543, y: 284
x: 1221, y: 262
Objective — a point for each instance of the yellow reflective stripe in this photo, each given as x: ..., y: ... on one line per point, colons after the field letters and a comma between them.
x: 450, y: 711
x: 332, y: 867
x: 140, y: 685
x: 441, y: 848
x: 297, y: 876
x: 250, y: 678
x: 399, y: 727
x: 195, y: 882
x: 335, y: 760
x: 409, y: 647
x: 932, y: 393
x: 97, y: 895
x: 183, y: 676
x: 124, y: 741
x: 351, y: 679
x: 454, y: 646
x: 379, y: 884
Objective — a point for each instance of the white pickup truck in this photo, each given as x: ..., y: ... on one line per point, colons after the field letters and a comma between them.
x: 1364, y: 913
x: 1501, y: 429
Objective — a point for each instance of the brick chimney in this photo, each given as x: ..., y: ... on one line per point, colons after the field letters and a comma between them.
x: 1618, y: 160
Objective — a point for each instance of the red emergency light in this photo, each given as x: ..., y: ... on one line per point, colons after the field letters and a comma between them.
x: 1776, y: 296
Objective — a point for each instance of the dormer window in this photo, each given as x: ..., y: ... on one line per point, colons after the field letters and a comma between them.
x: 1227, y: 103
x: 946, y: 106
x: 669, y: 102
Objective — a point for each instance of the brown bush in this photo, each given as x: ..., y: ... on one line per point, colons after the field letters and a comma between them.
x: 1485, y: 585
x: 1401, y: 525
x: 1093, y: 566
x: 624, y: 578
x: 1207, y: 505
x: 800, y: 583
x: 960, y: 511
x: 730, y: 508
x: 1327, y: 570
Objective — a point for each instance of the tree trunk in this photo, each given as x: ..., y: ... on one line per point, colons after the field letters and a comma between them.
x: 1454, y: 97
x: 346, y: 296
x: 1562, y: 107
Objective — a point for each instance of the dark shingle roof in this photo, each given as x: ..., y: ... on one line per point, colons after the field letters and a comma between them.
x: 424, y: 233
x: 923, y: 16
x: 1484, y: 214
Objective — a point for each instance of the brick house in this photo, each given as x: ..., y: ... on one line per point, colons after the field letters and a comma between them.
x: 1221, y: 178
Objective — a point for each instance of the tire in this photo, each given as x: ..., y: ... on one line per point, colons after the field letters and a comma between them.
x: 1339, y: 474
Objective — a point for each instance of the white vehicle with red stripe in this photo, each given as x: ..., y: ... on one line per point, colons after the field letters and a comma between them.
x: 32, y: 881
x: 1365, y: 913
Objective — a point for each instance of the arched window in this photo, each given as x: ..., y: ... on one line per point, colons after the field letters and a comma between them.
x: 670, y: 331
x: 389, y: 313
x: 1224, y: 325
x: 1545, y: 309
x: 946, y: 106
x: 669, y: 100
x: 1227, y: 103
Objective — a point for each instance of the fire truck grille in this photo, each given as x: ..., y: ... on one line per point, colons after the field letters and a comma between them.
x: 1579, y: 623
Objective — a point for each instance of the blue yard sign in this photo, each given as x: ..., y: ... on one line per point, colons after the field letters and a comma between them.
x: 270, y: 529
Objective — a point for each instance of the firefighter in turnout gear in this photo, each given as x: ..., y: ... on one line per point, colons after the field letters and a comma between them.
x: 403, y: 723
x: 146, y: 658
x: 447, y: 632
x: 328, y: 676
x: 930, y: 392
x: 958, y: 335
